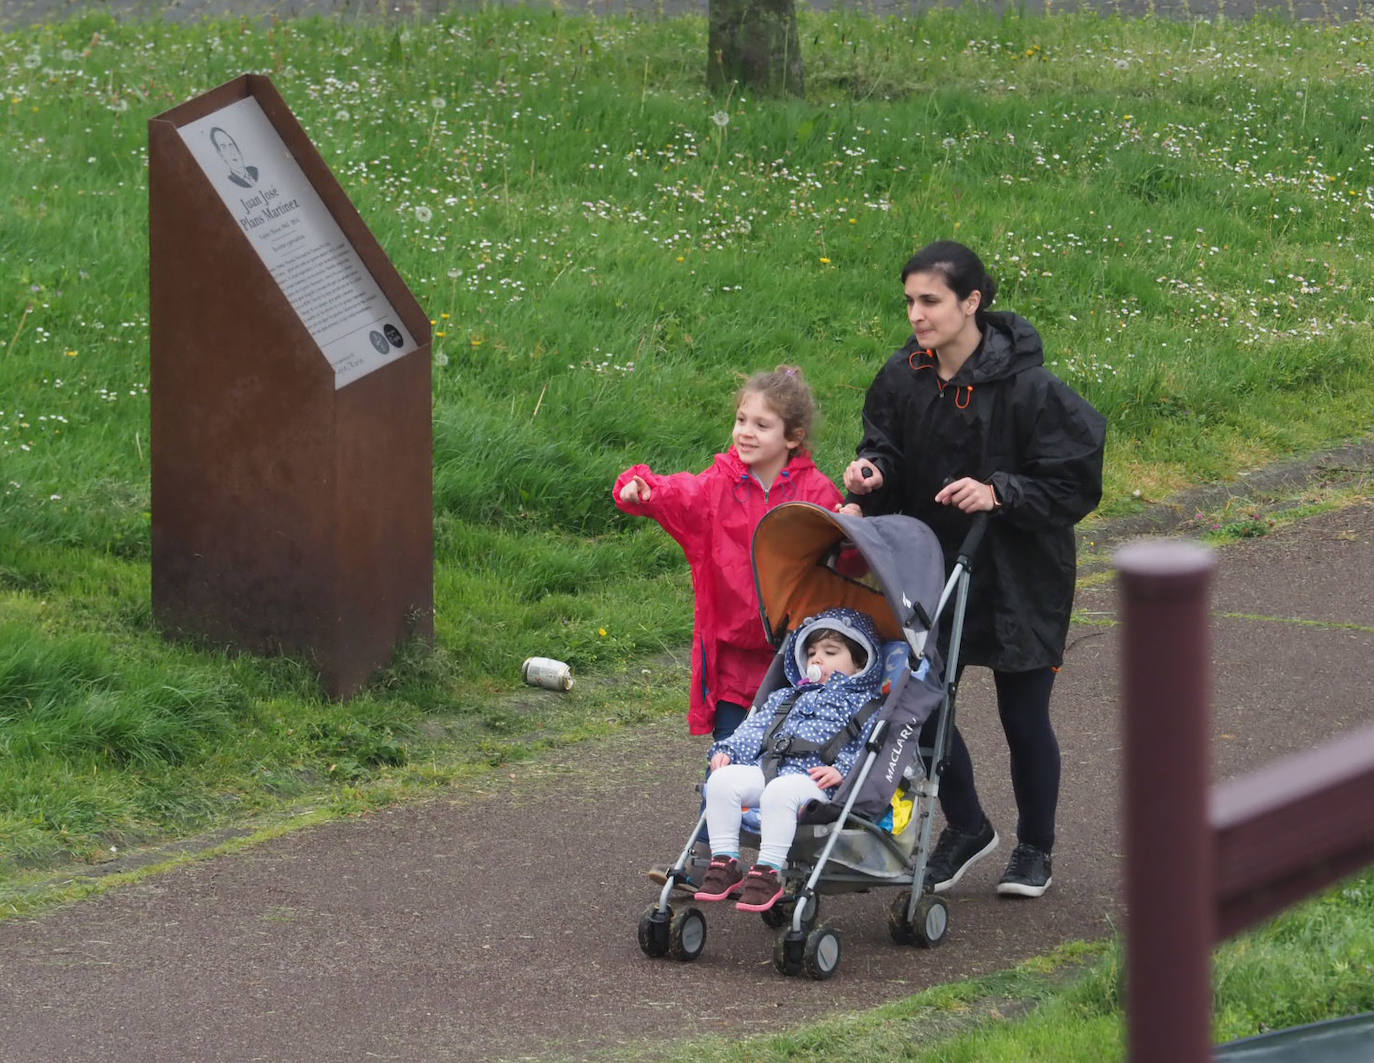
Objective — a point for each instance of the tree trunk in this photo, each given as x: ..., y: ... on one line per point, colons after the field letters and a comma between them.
x: 754, y: 44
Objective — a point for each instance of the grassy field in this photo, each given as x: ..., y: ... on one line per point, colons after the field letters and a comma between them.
x: 1184, y: 209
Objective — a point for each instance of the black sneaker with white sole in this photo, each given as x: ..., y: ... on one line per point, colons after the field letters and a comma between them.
x: 955, y: 853
x: 1028, y: 873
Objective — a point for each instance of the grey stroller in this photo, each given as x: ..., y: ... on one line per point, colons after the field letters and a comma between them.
x: 877, y: 829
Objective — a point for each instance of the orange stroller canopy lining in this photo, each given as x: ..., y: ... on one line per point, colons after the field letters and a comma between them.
x: 794, y: 548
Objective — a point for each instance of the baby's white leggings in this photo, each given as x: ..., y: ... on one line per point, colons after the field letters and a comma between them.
x: 737, y: 786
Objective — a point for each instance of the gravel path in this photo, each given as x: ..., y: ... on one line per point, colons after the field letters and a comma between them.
x: 499, y: 923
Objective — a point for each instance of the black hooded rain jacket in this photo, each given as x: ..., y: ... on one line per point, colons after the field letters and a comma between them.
x: 1003, y: 419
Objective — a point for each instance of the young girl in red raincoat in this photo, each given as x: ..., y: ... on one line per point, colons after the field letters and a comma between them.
x: 712, y: 515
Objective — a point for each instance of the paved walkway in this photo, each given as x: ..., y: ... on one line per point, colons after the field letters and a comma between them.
x: 500, y: 923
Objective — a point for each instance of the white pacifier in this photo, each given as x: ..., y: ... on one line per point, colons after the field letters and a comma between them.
x: 813, y: 672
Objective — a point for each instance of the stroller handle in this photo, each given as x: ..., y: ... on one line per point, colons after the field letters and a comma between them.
x: 968, y: 549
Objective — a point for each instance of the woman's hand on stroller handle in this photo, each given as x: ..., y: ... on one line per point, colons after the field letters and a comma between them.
x: 862, y: 476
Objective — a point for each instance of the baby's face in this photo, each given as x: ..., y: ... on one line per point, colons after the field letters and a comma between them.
x: 830, y: 655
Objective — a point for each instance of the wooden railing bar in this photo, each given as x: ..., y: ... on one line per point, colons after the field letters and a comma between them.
x: 1291, y: 828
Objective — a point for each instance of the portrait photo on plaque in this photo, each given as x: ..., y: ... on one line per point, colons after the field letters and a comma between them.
x: 316, y: 268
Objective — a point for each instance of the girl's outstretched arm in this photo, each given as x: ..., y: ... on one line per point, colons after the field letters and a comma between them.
x: 677, y: 501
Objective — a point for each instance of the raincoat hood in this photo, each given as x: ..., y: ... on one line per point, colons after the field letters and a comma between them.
x: 1010, y: 345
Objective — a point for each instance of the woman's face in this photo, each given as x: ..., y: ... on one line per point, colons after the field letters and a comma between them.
x: 938, y: 317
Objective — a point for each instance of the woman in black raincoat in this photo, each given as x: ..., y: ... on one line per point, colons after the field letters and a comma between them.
x: 963, y: 419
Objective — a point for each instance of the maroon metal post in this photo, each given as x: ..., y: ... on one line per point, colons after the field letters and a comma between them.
x: 1169, y: 851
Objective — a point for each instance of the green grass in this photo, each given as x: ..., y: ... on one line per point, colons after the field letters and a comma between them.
x: 1184, y: 209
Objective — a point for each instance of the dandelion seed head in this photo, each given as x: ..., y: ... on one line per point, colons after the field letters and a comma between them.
x: 721, y: 118
x: 423, y: 215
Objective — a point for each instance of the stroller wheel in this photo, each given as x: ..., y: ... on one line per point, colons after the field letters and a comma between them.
x: 653, y: 930
x: 931, y: 921
x: 821, y: 957
x: 687, y: 935
x: 897, y: 926
x: 927, y: 925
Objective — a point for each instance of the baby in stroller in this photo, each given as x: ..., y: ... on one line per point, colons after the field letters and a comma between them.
x: 826, y: 834
x: 795, y: 749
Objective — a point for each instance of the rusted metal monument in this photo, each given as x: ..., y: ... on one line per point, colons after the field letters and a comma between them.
x: 1203, y: 863
x: 291, y: 426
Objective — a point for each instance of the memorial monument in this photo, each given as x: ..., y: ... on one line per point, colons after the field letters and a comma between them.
x: 292, y: 492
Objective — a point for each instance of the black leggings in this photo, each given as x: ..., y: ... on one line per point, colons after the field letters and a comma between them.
x: 1023, y: 703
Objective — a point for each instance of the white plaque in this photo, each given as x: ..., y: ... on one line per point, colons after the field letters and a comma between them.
x: 317, y: 269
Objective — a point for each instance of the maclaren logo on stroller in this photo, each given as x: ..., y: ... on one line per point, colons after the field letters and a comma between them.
x: 895, y: 767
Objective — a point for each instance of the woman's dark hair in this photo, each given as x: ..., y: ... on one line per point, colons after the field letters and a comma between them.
x: 962, y: 270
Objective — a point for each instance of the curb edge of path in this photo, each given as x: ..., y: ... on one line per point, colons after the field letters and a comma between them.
x: 1269, y: 486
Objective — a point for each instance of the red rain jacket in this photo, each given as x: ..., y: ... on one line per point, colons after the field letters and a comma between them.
x: 712, y: 515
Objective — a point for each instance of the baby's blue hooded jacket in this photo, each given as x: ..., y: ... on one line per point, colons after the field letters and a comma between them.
x: 820, y: 711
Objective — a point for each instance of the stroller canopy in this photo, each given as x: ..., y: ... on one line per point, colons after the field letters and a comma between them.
x: 802, y: 566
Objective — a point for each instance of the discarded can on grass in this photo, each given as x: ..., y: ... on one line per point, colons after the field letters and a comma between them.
x: 547, y: 673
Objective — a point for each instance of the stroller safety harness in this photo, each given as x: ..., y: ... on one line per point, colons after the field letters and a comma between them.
x: 777, y: 748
